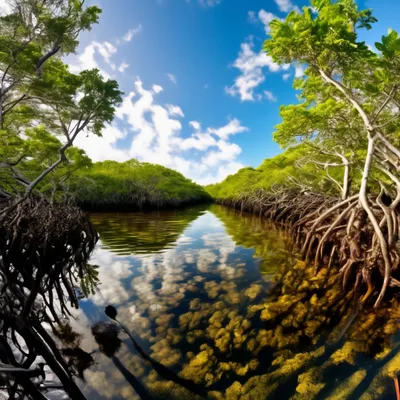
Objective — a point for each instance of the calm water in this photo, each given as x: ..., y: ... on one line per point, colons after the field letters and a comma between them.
x: 218, y: 298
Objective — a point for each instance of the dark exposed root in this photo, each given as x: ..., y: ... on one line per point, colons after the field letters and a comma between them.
x: 44, y: 252
x: 341, y: 232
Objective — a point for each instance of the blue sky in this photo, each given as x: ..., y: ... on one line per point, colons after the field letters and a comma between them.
x: 199, y: 95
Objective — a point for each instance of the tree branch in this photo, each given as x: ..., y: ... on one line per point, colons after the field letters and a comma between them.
x: 348, y: 96
x: 385, y: 103
x: 6, y: 164
x: 39, y: 66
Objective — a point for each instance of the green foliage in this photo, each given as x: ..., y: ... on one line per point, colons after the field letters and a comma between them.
x: 283, y: 169
x: 346, y: 89
x: 133, y: 185
x: 43, y: 106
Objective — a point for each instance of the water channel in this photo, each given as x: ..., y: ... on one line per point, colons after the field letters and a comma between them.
x: 218, y: 297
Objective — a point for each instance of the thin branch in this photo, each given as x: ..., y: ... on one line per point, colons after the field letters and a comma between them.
x: 8, y: 164
x: 388, y: 122
x: 385, y: 103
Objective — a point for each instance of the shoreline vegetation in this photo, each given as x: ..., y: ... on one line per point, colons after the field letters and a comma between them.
x: 134, y: 186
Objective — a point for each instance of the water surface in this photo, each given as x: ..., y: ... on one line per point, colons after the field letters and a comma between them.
x: 217, y: 297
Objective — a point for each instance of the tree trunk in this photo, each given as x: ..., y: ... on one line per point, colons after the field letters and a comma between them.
x: 346, y: 181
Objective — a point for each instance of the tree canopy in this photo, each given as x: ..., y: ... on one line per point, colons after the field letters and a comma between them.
x: 43, y: 106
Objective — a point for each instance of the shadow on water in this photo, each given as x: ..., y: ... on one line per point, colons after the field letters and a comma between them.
x: 217, y: 298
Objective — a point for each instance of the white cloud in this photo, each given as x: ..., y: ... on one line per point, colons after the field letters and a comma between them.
x: 175, y: 110
x: 266, y: 17
x: 98, y: 55
x: 106, y: 49
x: 269, y: 95
x: 232, y: 128
x: 172, y: 78
x: 198, y: 141
x: 157, y: 89
x: 132, y: 33
x: 196, y: 125
x: 286, y: 6
x: 87, y: 61
x: 226, y: 152
x: 155, y: 135
x: 103, y: 148
x: 123, y: 67
x: 285, y: 77
x: 299, y: 71
x: 251, y: 65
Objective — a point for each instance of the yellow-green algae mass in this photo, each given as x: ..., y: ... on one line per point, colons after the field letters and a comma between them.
x: 297, y: 312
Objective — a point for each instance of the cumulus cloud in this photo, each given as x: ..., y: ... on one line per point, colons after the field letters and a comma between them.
x: 232, y: 128
x: 172, y: 78
x: 157, y: 89
x: 105, y: 51
x: 266, y: 17
x: 251, y: 65
x: 103, y: 148
x: 123, y: 67
x: 155, y: 134
x: 286, y: 5
x: 226, y: 152
x: 299, y: 71
x: 175, y: 110
x: 285, y: 77
x: 196, y: 125
x: 88, y: 60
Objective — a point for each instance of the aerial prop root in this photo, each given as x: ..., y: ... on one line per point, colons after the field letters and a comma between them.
x: 359, y: 236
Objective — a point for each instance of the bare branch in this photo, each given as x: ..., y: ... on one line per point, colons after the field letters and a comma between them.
x: 385, y: 103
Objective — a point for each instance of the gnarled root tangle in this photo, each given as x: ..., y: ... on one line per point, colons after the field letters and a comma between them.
x: 330, y: 231
x: 44, y: 252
